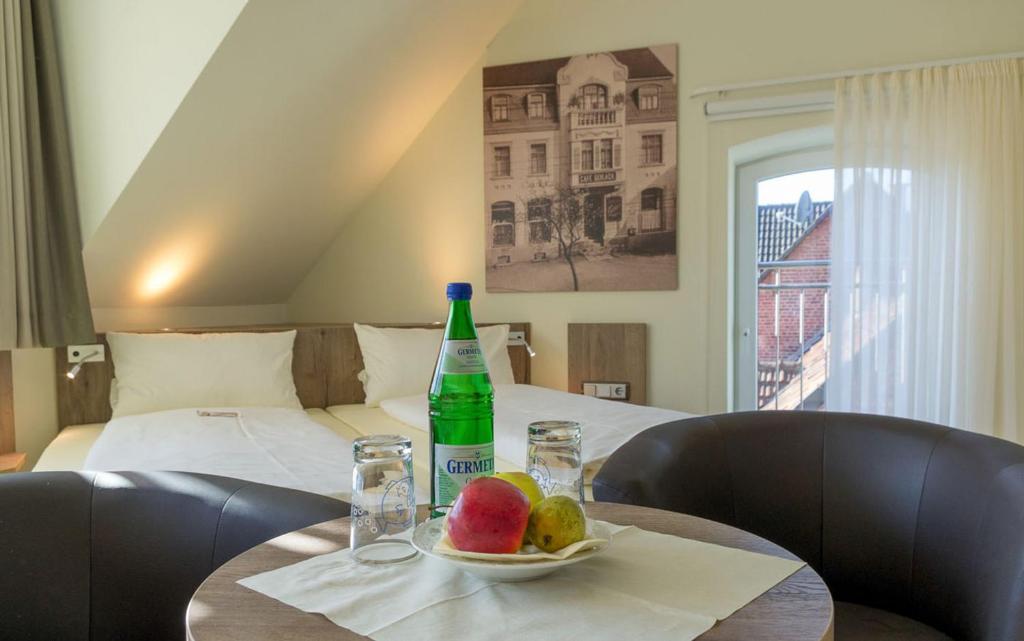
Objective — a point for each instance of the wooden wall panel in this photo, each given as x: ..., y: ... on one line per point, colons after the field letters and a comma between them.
x: 609, y: 352
x: 325, y: 362
x: 6, y: 403
x: 343, y: 388
x: 87, y: 398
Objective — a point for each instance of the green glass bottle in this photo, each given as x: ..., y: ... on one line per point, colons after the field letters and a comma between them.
x: 461, y: 406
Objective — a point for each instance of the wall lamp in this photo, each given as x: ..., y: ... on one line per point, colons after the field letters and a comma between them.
x: 519, y: 338
x: 73, y: 372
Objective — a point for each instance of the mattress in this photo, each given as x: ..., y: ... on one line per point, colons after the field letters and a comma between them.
x: 71, y: 447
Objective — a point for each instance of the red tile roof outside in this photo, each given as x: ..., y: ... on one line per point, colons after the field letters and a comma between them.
x: 778, y: 230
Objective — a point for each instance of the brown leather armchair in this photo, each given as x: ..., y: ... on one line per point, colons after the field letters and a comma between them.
x: 117, y: 555
x: 917, y: 529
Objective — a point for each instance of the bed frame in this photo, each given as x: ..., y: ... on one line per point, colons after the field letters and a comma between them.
x: 325, y: 362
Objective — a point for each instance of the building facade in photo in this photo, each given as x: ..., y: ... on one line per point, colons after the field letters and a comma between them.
x: 601, y: 127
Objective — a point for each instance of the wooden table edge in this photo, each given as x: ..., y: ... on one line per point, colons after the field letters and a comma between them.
x: 316, y: 531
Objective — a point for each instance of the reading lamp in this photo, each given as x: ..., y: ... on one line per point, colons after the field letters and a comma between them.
x: 73, y: 372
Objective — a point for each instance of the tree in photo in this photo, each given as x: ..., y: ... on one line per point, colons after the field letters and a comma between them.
x: 558, y: 212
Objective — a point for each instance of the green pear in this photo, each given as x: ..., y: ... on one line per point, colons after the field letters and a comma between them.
x: 556, y: 522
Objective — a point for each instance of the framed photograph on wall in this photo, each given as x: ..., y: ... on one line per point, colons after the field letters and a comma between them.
x: 580, y: 172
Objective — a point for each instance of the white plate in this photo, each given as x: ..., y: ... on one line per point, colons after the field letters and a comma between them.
x: 428, y: 533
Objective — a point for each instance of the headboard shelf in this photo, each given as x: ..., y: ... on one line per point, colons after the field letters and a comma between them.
x: 325, y: 362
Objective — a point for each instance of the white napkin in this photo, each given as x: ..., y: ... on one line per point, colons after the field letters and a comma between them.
x: 646, y: 585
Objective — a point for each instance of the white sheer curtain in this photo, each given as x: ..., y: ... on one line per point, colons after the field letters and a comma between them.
x: 928, y: 247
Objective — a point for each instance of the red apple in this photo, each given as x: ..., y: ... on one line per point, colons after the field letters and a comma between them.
x: 489, y: 515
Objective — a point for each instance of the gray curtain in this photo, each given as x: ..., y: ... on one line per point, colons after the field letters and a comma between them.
x: 43, y: 296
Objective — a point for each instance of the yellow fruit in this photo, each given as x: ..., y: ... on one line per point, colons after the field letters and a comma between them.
x: 556, y: 522
x: 524, y: 482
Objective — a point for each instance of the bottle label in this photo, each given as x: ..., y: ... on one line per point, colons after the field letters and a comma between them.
x: 456, y: 465
x: 463, y: 357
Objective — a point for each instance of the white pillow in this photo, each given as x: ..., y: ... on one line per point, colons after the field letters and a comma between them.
x: 400, y: 361
x: 156, y: 372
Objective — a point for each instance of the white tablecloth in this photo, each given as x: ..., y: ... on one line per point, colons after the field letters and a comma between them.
x: 646, y: 585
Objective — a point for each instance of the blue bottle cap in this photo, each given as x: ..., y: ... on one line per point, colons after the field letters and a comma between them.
x: 460, y: 291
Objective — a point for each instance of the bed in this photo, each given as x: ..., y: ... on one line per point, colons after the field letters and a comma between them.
x: 325, y: 362
x: 70, y: 449
x: 326, y: 365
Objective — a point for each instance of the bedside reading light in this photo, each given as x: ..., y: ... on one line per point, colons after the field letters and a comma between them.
x: 73, y: 372
x: 519, y: 338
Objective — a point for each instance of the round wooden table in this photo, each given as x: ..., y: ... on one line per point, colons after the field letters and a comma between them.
x: 797, y: 609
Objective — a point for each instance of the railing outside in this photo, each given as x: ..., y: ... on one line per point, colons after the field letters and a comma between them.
x: 791, y: 379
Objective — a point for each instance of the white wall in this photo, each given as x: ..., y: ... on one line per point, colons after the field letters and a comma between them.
x: 141, y: 318
x: 35, y: 401
x: 126, y: 65
x: 425, y: 224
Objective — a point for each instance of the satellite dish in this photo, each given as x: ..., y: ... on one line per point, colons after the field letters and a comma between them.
x: 805, y: 209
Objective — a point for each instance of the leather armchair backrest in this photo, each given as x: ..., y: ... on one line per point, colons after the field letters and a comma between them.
x: 98, y: 556
x: 915, y: 518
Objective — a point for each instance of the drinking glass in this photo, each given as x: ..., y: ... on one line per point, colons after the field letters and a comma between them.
x: 555, y: 458
x: 383, y: 499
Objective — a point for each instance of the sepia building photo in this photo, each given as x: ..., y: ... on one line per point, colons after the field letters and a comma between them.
x: 580, y: 175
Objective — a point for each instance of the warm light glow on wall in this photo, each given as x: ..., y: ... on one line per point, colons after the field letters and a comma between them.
x: 165, y: 272
x: 160, y: 279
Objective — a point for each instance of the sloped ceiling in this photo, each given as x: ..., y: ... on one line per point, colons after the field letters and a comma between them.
x: 296, y: 118
x: 126, y: 65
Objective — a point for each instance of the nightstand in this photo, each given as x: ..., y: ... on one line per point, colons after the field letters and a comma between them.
x: 12, y: 462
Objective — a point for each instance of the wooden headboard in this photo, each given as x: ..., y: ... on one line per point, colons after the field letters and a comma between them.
x: 325, y: 362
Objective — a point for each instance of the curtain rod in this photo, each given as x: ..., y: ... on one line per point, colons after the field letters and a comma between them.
x: 791, y: 80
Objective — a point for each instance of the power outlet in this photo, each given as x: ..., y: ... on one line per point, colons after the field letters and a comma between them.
x: 618, y: 391
x: 91, y: 353
x: 612, y: 391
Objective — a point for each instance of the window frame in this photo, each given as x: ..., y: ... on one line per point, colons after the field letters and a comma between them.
x: 600, y: 91
x: 495, y: 173
x: 503, y: 215
x: 750, y: 163
x: 605, y: 152
x: 654, y: 92
x: 543, y: 171
x: 586, y: 146
x: 506, y: 107
x: 530, y: 105
x: 645, y: 149
x: 537, y: 219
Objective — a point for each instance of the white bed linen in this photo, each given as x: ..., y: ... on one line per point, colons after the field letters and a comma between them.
x: 276, y: 446
x: 607, y: 425
x: 70, y: 448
